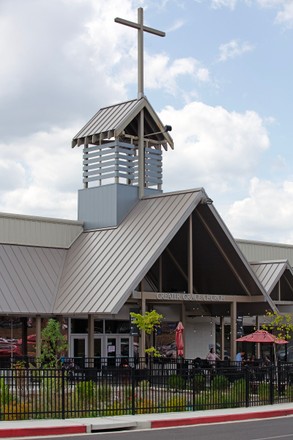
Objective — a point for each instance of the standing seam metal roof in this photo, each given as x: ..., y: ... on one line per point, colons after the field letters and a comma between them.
x: 270, y: 272
x: 107, y: 119
x: 103, y: 267
x: 29, y: 278
x: 117, y: 118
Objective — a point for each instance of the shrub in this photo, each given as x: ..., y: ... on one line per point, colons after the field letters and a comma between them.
x: 220, y: 383
x: 145, y: 406
x: 16, y: 411
x: 226, y: 401
x: 53, y: 383
x: 86, y: 392
x: 217, y: 400
x: 144, y: 384
x: 239, y: 386
x: 176, y: 382
x: 289, y: 393
x: 238, y: 390
x: 199, y: 382
x: 264, y: 392
x: 176, y: 403
x: 103, y: 392
x: 114, y: 410
x: 203, y: 401
x: 5, y: 395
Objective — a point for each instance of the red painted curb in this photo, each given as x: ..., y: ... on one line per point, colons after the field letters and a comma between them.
x: 220, y: 418
x: 45, y: 430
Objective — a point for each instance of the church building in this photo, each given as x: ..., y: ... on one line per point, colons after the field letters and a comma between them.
x: 136, y: 248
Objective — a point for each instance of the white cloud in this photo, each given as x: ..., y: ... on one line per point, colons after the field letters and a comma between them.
x: 162, y: 73
x: 43, y: 174
x: 286, y: 15
x: 266, y: 214
x: 12, y: 173
x: 233, y: 49
x: 285, y: 7
x: 64, y: 57
x: 55, y: 56
x: 223, y: 3
x: 214, y: 148
x: 178, y: 24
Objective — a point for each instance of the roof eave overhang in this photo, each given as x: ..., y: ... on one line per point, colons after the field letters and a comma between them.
x: 117, y: 131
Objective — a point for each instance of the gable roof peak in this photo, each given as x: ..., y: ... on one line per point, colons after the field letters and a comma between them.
x: 120, y: 121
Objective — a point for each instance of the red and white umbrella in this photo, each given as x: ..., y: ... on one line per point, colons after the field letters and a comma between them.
x: 179, y: 339
x: 262, y: 337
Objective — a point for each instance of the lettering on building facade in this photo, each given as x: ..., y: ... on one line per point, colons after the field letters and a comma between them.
x: 175, y: 296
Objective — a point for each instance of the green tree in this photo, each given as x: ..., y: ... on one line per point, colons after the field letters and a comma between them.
x: 54, y: 344
x: 281, y: 325
x: 148, y: 323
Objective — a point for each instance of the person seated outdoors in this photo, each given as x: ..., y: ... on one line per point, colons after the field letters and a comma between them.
x: 251, y: 360
x: 239, y: 358
x: 124, y: 363
x: 197, y: 363
x: 266, y: 361
x: 212, y: 357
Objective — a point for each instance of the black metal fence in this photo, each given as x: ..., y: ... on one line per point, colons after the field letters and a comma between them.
x: 112, y: 386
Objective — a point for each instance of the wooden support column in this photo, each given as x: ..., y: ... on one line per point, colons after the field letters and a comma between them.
x: 183, y: 320
x: 190, y: 256
x: 143, y: 310
x: 233, y: 327
x: 90, y: 340
x: 24, y: 336
x: 38, y: 336
x: 257, y: 353
x: 190, y: 273
x: 222, y: 326
x: 160, y: 273
x: 141, y: 159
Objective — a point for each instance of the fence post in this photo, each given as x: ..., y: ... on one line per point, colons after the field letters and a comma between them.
x: 272, y: 370
x: 280, y: 377
x: 193, y: 391
x: 133, y: 378
x: 247, y: 385
x: 62, y: 391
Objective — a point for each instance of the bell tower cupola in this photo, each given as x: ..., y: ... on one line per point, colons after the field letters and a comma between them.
x: 122, y: 153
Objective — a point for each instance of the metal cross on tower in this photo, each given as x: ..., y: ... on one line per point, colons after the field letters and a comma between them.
x: 140, y: 30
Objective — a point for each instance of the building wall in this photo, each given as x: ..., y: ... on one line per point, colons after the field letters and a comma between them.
x: 260, y: 251
x: 199, y: 337
x: 38, y: 231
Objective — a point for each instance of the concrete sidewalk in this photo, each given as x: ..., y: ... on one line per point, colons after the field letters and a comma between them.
x: 30, y: 428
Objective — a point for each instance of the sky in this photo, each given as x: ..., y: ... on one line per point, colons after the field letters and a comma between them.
x: 221, y: 77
